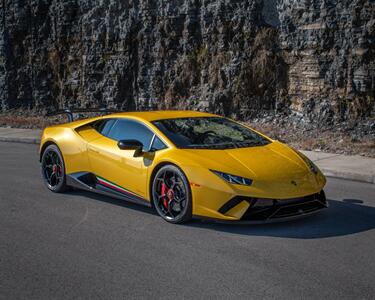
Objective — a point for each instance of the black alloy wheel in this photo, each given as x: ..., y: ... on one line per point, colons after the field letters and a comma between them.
x: 53, y: 169
x: 171, y: 195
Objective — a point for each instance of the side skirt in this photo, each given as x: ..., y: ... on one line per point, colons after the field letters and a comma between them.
x: 89, y: 182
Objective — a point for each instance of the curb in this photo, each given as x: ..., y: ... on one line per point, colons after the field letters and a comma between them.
x: 326, y: 171
x: 348, y: 175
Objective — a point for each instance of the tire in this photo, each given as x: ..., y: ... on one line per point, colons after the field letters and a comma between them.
x: 53, y: 169
x: 171, y: 195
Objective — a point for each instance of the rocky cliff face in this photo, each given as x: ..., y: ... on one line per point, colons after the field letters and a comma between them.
x: 235, y: 57
x: 329, y: 48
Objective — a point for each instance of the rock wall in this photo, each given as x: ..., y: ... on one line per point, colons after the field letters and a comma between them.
x: 234, y: 57
x: 329, y: 47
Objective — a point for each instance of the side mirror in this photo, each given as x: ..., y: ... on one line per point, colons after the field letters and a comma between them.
x: 131, y: 145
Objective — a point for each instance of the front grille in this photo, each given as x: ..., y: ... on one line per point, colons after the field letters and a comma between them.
x: 284, y: 208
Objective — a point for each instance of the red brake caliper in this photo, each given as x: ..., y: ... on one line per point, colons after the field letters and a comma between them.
x: 163, y: 192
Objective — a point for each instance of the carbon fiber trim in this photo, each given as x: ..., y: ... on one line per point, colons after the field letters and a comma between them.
x: 287, y: 208
x: 87, y: 181
x: 232, y: 203
x: 277, y: 209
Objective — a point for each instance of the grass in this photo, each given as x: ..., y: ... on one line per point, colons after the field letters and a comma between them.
x: 319, y: 140
x: 32, y: 122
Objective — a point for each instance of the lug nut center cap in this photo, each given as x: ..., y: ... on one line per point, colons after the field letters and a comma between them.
x: 170, y: 194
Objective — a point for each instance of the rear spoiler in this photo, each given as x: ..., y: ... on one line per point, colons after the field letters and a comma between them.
x: 69, y: 112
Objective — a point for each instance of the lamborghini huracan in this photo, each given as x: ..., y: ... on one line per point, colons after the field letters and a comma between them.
x: 183, y: 164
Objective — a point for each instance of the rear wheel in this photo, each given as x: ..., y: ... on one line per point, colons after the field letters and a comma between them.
x: 53, y: 169
x: 171, y: 195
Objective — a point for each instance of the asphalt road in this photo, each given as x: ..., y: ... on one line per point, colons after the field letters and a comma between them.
x: 80, y: 245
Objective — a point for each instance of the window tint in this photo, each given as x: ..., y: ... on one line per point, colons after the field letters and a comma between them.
x: 103, y: 126
x: 131, y: 130
x: 157, y: 144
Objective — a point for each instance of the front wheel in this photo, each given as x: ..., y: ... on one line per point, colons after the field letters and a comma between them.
x: 171, y: 195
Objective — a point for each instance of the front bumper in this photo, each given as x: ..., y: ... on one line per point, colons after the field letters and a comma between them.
x: 286, y: 209
x: 274, y: 210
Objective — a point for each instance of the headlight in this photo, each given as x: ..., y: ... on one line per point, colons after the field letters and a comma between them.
x: 233, y: 178
x: 311, y: 165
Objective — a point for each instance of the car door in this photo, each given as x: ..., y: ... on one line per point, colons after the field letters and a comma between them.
x: 119, y: 169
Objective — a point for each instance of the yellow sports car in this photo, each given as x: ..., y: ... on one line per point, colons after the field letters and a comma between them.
x: 184, y: 164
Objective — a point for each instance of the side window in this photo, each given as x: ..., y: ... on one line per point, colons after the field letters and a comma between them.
x: 131, y: 130
x: 157, y: 144
x: 104, y: 126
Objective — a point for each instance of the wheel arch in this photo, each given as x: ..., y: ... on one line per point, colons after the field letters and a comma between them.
x: 44, y: 147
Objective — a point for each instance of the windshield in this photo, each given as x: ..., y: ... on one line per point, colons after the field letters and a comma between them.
x: 209, y: 133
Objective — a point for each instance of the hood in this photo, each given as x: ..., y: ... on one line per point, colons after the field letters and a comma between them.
x: 261, y: 162
x: 276, y: 170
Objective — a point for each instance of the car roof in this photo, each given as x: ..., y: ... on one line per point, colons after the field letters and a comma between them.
x: 159, y: 115
x: 146, y: 116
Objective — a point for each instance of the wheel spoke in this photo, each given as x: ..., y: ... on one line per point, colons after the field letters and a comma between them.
x: 173, y: 185
x: 48, y: 177
x: 51, y: 179
x: 169, y: 194
x: 51, y: 156
x: 159, y: 198
x: 170, y: 210
x: 179, y: 200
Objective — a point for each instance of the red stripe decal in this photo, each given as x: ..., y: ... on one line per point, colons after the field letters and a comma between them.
x: 112, y: 186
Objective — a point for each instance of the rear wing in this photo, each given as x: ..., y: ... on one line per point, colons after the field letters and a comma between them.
x: 69, y: 112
